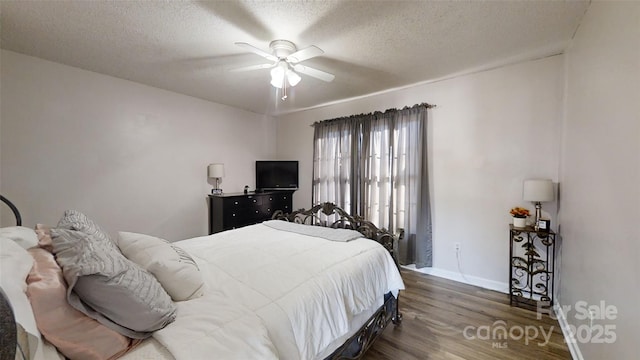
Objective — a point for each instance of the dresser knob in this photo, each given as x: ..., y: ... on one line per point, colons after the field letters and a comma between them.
x: 233, y: 214
x: 256, y: 211
x: 236, y: 203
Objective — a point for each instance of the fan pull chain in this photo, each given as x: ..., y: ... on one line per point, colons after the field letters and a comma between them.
x: 284, y: 88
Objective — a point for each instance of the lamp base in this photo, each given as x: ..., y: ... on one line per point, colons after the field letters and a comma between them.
x: 217, y: 190
x: 536, y: 226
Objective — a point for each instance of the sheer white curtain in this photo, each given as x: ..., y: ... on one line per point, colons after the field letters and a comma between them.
x: 376, y: 180
x: 375, y: 165
x: 333, y: 162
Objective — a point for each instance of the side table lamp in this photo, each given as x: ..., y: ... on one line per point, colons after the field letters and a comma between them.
x: 537, y: 191
x: 216, y: 171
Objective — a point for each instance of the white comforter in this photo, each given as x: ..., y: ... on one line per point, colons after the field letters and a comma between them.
x: 212, y: 327
x: 277, y: 294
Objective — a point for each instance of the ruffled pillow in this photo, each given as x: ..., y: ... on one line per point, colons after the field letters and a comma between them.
x: 75, y: 220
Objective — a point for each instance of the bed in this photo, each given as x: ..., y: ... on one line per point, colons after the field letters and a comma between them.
x: 283, y: 289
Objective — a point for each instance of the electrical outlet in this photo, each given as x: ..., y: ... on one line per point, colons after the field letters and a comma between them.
x: 457, y: 247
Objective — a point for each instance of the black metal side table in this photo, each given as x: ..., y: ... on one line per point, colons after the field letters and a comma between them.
x: 531, y: 267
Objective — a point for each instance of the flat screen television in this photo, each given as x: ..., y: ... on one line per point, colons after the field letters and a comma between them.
x: 276, y: 175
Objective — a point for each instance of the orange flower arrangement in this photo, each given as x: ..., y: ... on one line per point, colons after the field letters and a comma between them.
x: 519, y: 212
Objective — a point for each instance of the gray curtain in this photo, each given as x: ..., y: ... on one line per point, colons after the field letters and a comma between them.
x: 375, y: 165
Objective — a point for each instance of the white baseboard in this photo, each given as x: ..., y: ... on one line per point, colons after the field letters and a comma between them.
x: 564, y: 325
x: 467, y: 279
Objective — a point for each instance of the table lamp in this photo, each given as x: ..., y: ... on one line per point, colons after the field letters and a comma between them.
x: 216, y: 171
x: 537, y: 191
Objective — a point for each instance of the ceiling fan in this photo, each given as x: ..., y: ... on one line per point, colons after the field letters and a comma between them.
x: 285, y: 63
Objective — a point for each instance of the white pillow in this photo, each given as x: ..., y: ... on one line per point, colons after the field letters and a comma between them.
x: 23, y: 236
x: 174, y: 268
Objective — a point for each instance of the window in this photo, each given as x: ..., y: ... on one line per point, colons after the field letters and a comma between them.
x: 375, y: 165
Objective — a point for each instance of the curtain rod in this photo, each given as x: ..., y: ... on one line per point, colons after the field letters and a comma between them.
x: 428, y: 106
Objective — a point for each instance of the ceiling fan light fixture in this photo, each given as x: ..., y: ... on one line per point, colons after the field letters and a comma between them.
x: 283, y: 72
x: 277, y: 77
x: 292, y: 77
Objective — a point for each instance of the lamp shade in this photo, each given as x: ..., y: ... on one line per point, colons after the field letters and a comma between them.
x: 293, y: 78
x: 537, y: 190
x: 215, y: 170
x: 277, y: 77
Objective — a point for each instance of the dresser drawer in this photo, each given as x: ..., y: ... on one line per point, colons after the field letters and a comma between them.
x: 241, y: 202
x: 233, y: 218
x: 248, y: 216
x: 282, y: 202
x: 264, y: 212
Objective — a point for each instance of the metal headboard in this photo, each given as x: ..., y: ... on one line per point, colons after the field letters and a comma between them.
x: 320, y: 214
x: 13, y: 208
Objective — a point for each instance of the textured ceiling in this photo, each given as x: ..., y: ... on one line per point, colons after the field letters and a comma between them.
x: 371, y: 46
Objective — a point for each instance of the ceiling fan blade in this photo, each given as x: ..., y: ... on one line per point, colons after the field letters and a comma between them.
x: 304, y: 54
x: 255, y: 50
x: 252, y: 67
x: 318, y: 74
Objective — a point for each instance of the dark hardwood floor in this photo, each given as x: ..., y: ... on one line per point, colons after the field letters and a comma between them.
x: 444, y: 319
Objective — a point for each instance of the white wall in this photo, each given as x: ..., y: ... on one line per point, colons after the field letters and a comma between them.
x: 600, y: 176
x: 130, y: 156
x: 489, y: 132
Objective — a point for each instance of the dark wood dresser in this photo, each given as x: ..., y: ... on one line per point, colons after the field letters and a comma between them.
x: 234, y: 210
